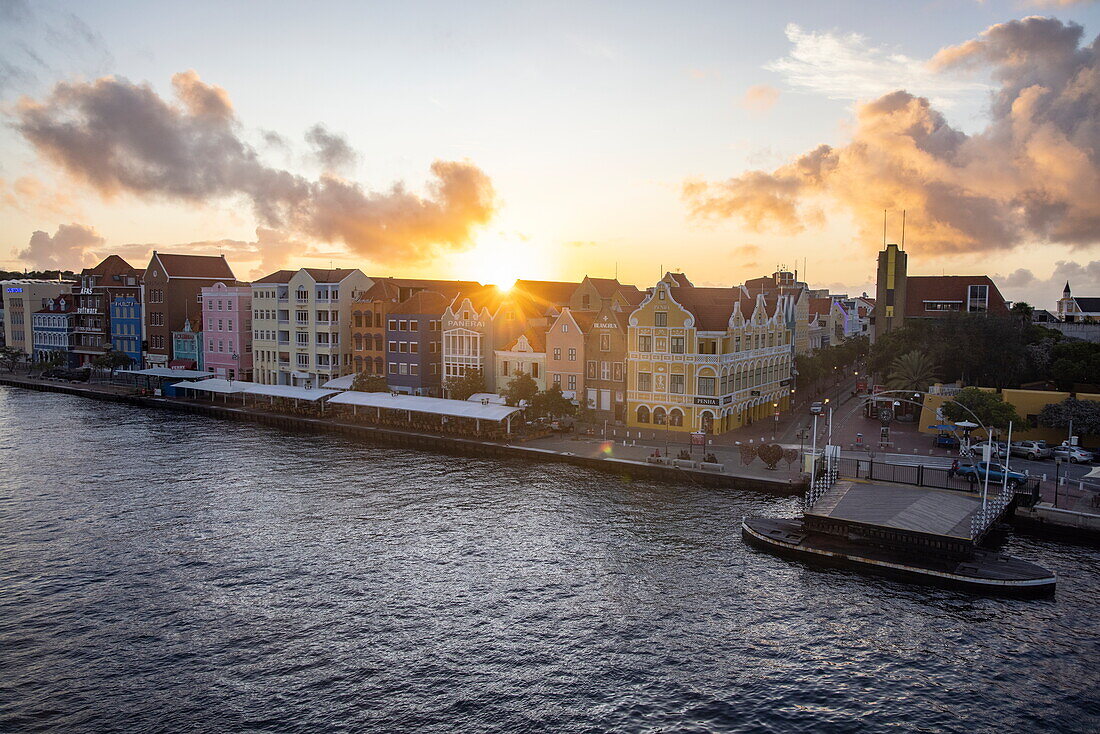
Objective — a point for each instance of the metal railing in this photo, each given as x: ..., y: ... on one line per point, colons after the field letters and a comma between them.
x: 822, y: 478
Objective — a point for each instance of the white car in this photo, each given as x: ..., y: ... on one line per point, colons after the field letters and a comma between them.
x: 1072, y: 454
x: 997, y: 451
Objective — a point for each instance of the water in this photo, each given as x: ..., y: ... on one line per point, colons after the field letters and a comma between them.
x: 166, y: 573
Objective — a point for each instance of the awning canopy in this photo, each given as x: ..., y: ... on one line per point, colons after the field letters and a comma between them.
x: 167, y: 372
x: 287, y: 391
x: 218, y: 385
x: 340, y: 383
x: 492, y: 397
x: 420, y: 404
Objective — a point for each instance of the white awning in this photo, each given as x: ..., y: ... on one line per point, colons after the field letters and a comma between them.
x: 218, y: 385
x: 287, y: 391
x: 420, y: 404
x: 340, y: 383
x: 492, y: 397
x: 166, y: 372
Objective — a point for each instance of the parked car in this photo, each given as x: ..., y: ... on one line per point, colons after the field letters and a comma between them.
x: 1031, y: 449
x: 1072, y: 454
x: 998, y: 448
x: 976, y: 473
x: 945, y: 441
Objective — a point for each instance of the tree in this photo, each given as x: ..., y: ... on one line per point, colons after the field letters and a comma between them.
x: 912, y: 371
x: 989, y: 407
x: 460, y: 388
x: 11, y: 357
x: 365, y: 382
x: 747, y: 451
x: 112, y: 360
x: 790, y: 456
x: 522, y: 387
x: 1084, y: 414
x: 1023, y: 311
x: 550, y: 402
x: 50, y: 360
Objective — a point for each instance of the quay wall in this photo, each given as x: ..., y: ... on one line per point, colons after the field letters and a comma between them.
x: 624, y: 468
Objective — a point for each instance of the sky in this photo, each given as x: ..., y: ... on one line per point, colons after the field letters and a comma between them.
x: 551, y: 140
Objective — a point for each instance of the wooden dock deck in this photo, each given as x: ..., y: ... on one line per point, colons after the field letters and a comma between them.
x: 915, y: 509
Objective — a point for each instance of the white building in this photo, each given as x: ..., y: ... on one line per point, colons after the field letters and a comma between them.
x: 301, y: 325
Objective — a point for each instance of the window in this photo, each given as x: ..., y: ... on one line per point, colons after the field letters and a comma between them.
x: 402, y: 325
x: 676, y: 384
x: 393, y: 368
x: 572, y: 382
x: 977, y: 298
x: 942, y: 305
x: 302, y: 317
x: 393, y: 325
x: 645, y: 343
x: 643, y: 414
x: 660, y: 318
x: 504, y: 367
x: 414, y: 347
x: 591, y: 371
x: 645, y: 381
x: 302, y: 294
x: 707, y: 386
x: 677, y: 345
x: 557, y: 353
x: 676, y: 417
x: 414, y: 369
x: 303, y: 360
x: 572, y: 354
x: 322, y: 317
x: 392, y: 346
x: 220, y: 325
x: 564, y: 328
x: 557, y: 380
x: 414, y: 325
x: 535, y: 369
x: 605, y: 370
x: 302, y: 339
x: 402, y: 346
x: 322, y: 338
x: 402, y: 368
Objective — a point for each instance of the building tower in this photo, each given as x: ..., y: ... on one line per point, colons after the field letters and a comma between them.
x: 891, y: 289
x: 1066, y: 305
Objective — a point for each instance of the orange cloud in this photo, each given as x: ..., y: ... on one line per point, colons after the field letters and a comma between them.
x: 760, y: 98
x: 116, y: 136
x: 1032, y: 174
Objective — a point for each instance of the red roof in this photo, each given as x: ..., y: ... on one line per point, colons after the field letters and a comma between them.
x: 334, y: 275
x: 921, y: 288
x: 112, y: 265
x: 544, y: 293
x: 195, y: 266
x: 428, y: 302
x: 821, y: 305
x: 279, y: 276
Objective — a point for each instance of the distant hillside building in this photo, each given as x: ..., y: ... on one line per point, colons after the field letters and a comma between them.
x: 900, y: 296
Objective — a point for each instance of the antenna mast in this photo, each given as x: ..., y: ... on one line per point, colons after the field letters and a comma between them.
x: 884, y: 228
x: 903, y: 229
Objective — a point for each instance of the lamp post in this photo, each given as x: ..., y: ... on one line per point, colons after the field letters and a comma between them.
x: 775, y: 415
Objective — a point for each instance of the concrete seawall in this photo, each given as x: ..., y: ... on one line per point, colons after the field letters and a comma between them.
x: 627, y: 469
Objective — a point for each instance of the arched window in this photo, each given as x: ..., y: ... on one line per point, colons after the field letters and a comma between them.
x: 378, y: 366
x: 369, y: 319
x: 706, y: 421
x: 643, y: 414
x: 357, y: 319
x: 358, y: 342
x: 659, y: 416
x: 676, y: 417
x: 358, y: 364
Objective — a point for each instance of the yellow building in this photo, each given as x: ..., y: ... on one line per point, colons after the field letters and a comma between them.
x: 1028, y: 403
x: 707, y: 359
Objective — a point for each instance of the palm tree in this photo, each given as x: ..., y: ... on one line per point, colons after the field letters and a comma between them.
x: 912, y: 371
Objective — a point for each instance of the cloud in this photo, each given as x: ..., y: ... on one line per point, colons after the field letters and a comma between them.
x: 29, y: 194
x: 847, y: 67
x: 760, y: 98
x: 746, y: 250
x: 72, y: 245
x: 331, y: 150
x: 119, y: 137
x: 1024, y: 285
x: 1031, y: 175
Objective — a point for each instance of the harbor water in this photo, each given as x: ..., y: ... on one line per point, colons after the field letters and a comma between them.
x: 164, y: 572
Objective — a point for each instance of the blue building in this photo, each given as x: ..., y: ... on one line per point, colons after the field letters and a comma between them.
x: 53, y: 330
x: 126, y: 323
x: 413, y: 354
x: 187, y: 347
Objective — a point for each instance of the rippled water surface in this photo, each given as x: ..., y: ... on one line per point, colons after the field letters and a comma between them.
x: 165, y: 573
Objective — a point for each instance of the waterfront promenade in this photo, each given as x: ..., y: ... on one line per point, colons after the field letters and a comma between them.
x: 629, y: 460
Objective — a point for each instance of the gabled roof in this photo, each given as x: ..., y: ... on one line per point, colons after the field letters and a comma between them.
x: 482, y: 297
x: 279, y: 276
x: 195, y: 266
x: 428, y: 302
x: 544, y: 292
x: 535, y: 337
x: 921, y: 288
x: 1086, y: 304
x: 584, y: 319
x: 679, y: 279
x: 821, y: 305
x: 70, y: 305
x: 333, y: 275
x: 111, y: 265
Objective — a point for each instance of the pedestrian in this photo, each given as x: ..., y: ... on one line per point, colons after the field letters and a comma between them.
x: 954, y: 470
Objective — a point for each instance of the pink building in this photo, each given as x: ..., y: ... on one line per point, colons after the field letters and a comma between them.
x: 227, y: 330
